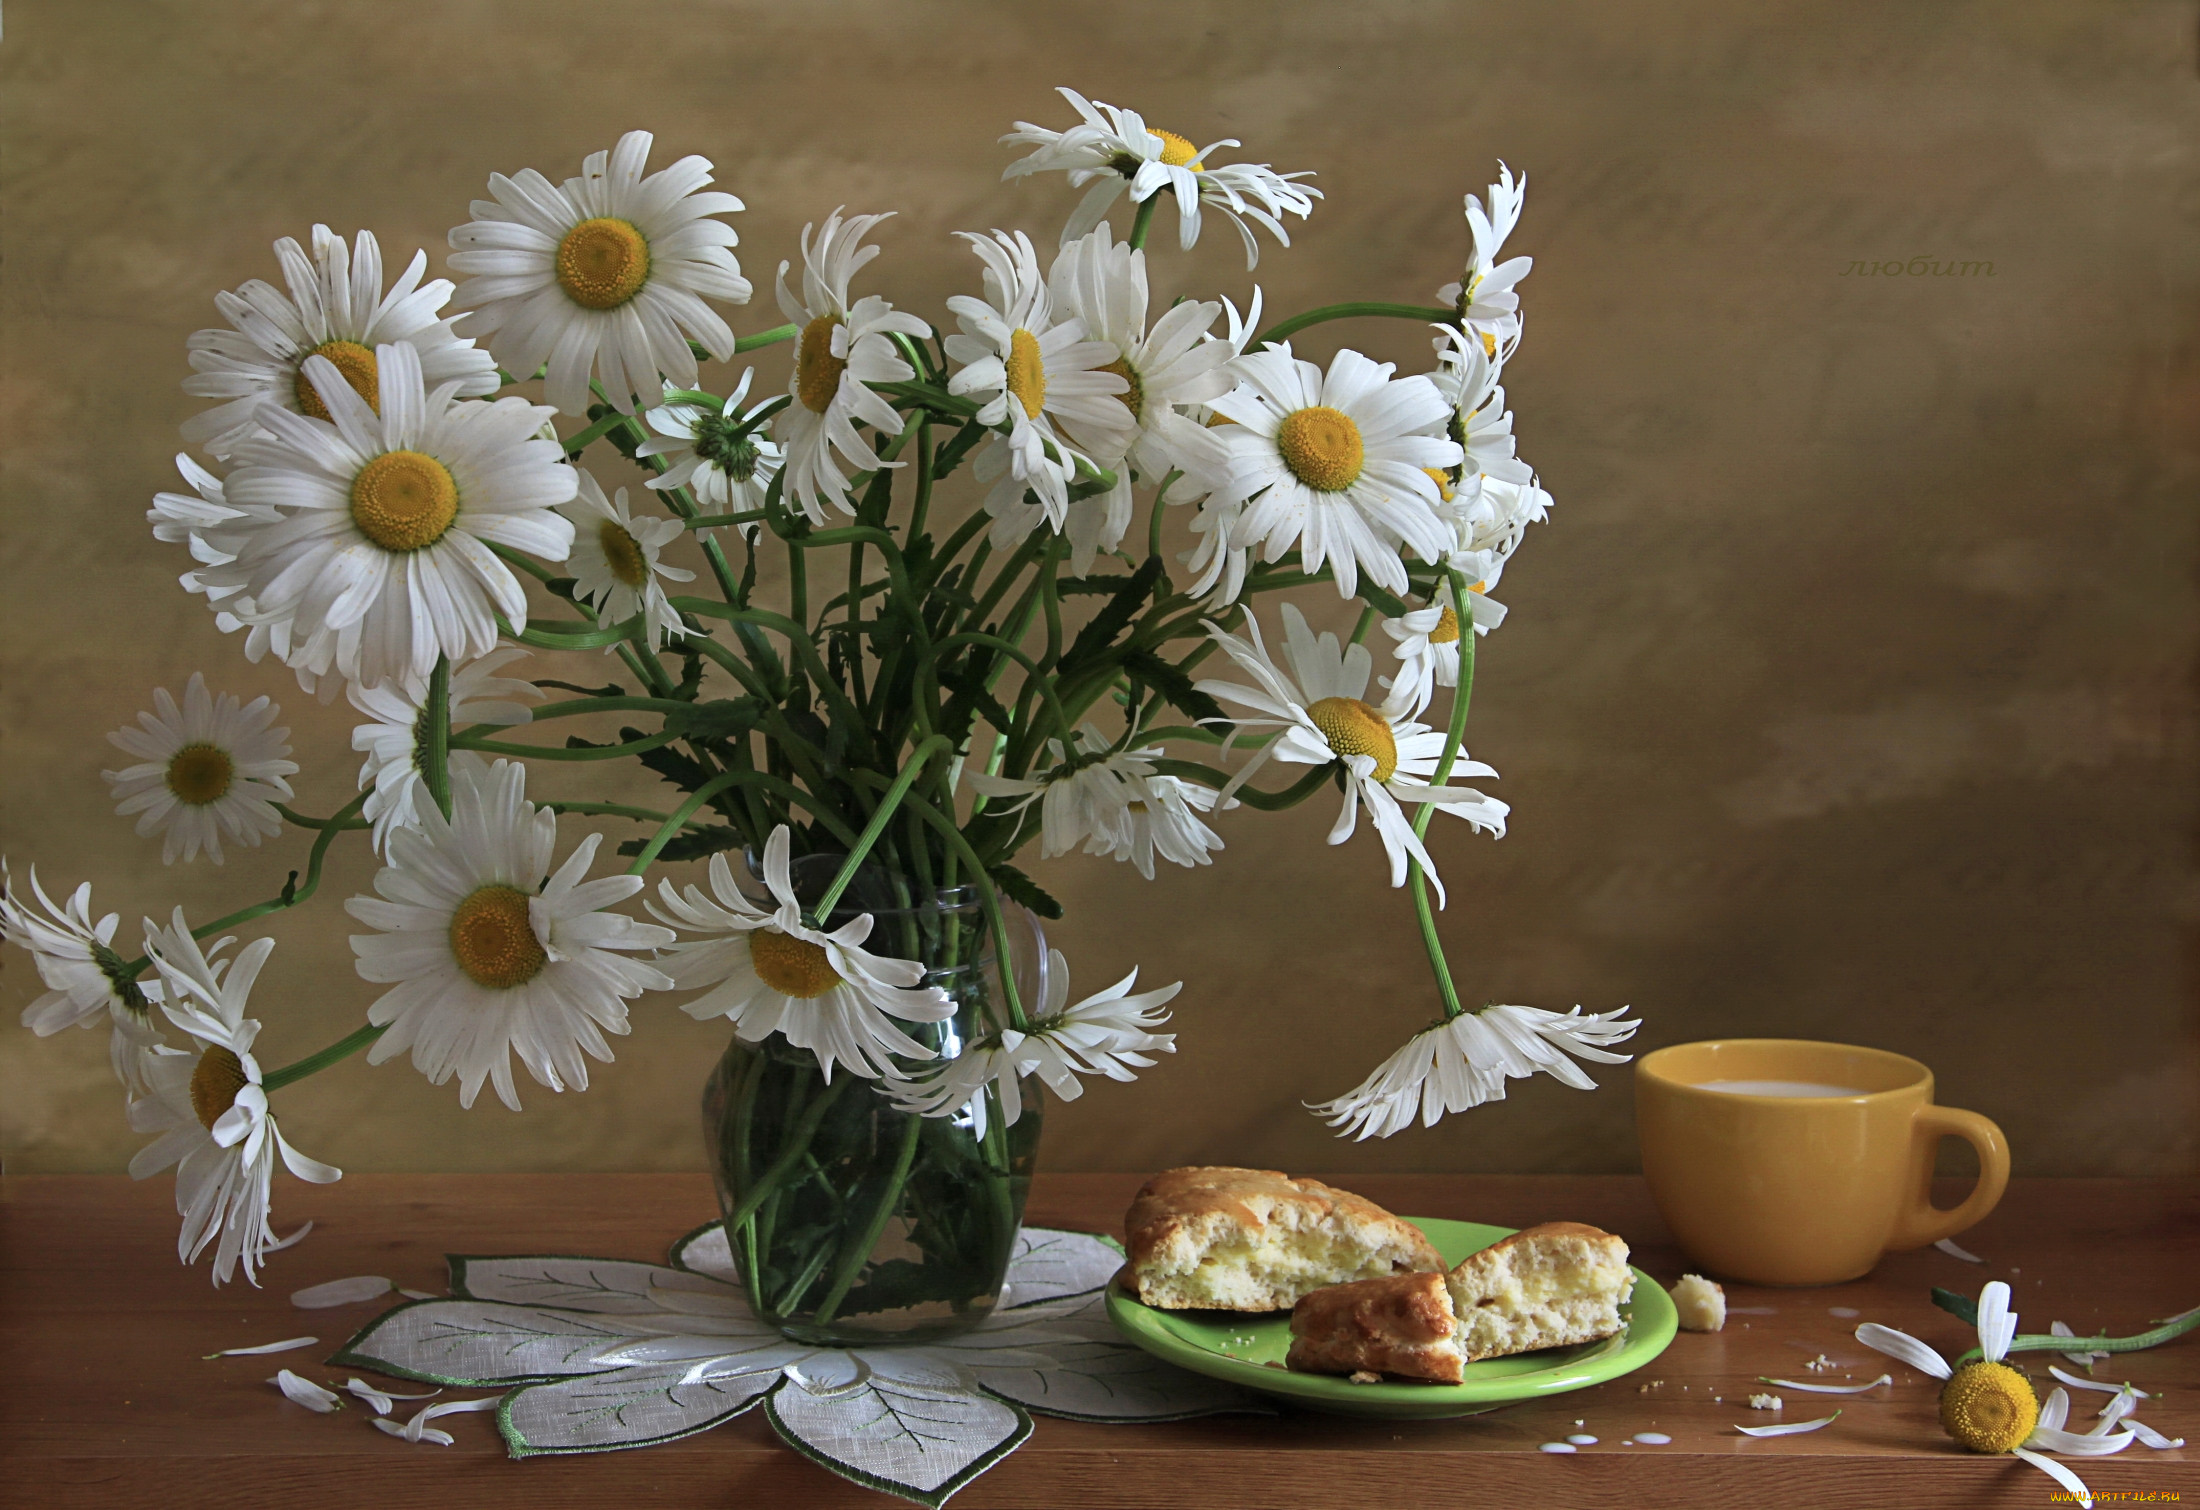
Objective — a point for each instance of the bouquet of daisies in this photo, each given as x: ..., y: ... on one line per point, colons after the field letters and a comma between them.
x: 912, y: 689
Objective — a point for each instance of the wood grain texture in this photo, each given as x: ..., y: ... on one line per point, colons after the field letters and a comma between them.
x: 106, y: 1402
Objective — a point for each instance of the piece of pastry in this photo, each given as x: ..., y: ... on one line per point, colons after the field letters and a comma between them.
x: 1257, y: 1240
x: 1700, y: 1302
x: 1402, y: 1325
x: 1548, y: 1286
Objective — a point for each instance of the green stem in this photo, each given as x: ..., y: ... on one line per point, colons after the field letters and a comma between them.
x: 435, y: 758
x: 1349, y: 311
x: 605, y: 810
x: 313, y: 1064
x: 579, y: 442
x: 856, y: 1254
x: 770, y: 337
x: 879, y: 819
x: 798, y: 1144
x: 553, y: 752
x: 1454, y: 736
x: 1144, y: 220
x: 302, y: 821
x: 944, y: 825
x: 679, y: 818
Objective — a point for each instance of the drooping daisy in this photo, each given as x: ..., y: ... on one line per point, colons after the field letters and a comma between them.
x: 1173, y: 367
x: 718, y: 457
x: 209, y: 1107
x: 209, y: 770
x: 1487, y: 525
x: 386, y: 520
x: 1428, y: 650
x: 606, y: 274
x: 489, y: 953
x: 1465, y: 1061
x: 770, y: 972
x: 1034, y: 372
x: 83, y: 975
x: 1117, y: 152
x: 336, y: 309
x: 1112, y: 803
x: 1336, y: 464
x: 844, y: 349
x: 1217, y: 563
x: 1480, y: 422
x: 1104, y: 1034
x: 1488, y: 298
x: 1319, y: 706
x: 616, y: 561
x: 1987, y: 1406
x: 395, y: 743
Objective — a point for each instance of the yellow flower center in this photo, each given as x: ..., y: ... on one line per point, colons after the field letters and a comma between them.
x: 1446, y: 631
x: 602, y: 263
x: 404, y: 500
x: 1027, y: 372
x: 359, y: 368
x: 1442, y: 479
x: 1353, y: 728
x: 1133, y: 397
x: 492, y: 939
x: 1322, y: 447
x: 1989, y: 1407
x: 791, y: 966
x: 200, y: 773
x: 816, y: 370
x: 1176, y: 152
x: 623, y: 554
x: 214, y: 1085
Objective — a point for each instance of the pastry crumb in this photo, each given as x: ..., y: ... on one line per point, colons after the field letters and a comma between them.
x: 1700, y: 1302
x: 1820, y: 1364
x: 1764, y: 1402
x: 1362, y: 1376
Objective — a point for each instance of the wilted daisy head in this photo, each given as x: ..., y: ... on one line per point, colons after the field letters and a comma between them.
x: 208, y: 770
x: 605, y: 274
x: 618, y: 558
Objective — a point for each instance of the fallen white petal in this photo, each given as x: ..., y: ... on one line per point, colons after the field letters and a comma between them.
x: 2083, y: 1360
x: 2059, y: 1474
x: 1885, y: 1339
x: 380, y: 1398
x: 1829, y: 1389
x: 305, y: 1392
x: 1948, y: 1246
x: 414, y: 1433
x: 419, y: 1295
x: 1844, y: 1312
x: 2112, y: 1389
x: 1790, y: 1428
x: 2151, y: 1437
x: 288, y: 1344
x: 2079, y: 1444
x: 290, y: 1241
x: 340, y: 1292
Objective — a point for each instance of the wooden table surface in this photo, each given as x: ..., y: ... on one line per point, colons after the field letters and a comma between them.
x: 105, y: 1400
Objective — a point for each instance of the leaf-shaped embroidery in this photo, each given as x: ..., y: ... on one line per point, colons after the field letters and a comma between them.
x: 607, y: 1286
x: 632, y: 1407
x: 1047, y: 1263
x: 706, y: 1251
x: 1088, y: 1372
x: 479, y: 1342
x: 910, y: 1440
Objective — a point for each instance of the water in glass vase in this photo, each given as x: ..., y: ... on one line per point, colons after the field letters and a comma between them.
x: 850, y: 1220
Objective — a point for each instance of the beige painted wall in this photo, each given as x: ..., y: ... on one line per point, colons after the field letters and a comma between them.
x: 1848, y: 694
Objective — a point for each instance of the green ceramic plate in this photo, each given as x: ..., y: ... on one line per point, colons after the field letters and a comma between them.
x: 1237, y: 1346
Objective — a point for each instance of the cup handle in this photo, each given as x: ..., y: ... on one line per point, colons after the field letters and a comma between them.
x: 1926, y: 1223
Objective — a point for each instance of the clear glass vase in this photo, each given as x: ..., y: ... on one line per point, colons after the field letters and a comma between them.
x: 851, y: 1221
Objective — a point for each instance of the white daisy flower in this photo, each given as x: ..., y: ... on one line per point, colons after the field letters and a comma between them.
x: 606, y: 274
x: 1112, y: 803
x: 770, y: 972
x: 1988, y: 1406
x: 208, y: 770
x: 1217, y: 564
x: 1104, y: 1034
x: 386, y: 520
x: 489, y: 953
x: 718, y: 457
x: 1334, y: 464
x: 616, y: 563
x: 844, y: 349
x: 1487, y: 298
x: 1480, y: 422
x: 1466, y: 1061
x: 83, y: 975
x: 1176, y: 366
x: 209, y: 1107
x: 1487, y: 524
x: 1117, y: 152
x: 336, y: 309
x: 1428, y: 647
x: 1319, y: 708
x: 395, y: 742
x: 1035, y: 373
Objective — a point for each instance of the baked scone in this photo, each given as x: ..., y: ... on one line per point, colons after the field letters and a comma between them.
x: 1548, y: 1286
x: 1700, y: 1302
x: 1402, y: 1325
x: 1257, y: 1240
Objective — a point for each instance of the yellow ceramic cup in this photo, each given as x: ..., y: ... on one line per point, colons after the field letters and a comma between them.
x: 1822, y: 1164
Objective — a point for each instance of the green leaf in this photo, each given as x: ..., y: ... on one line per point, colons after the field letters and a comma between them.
x: 1022, y: 890
x: 1114, y: 617
x: 1961, y: 1307
x: 721, y: 718
x: 1171, y: 682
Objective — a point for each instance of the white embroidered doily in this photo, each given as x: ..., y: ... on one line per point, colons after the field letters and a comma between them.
x: 606, y: 1353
